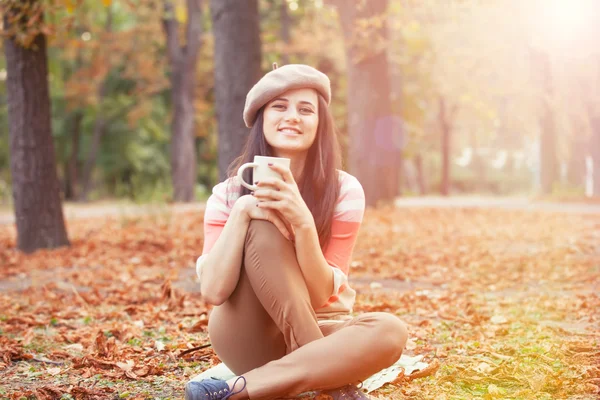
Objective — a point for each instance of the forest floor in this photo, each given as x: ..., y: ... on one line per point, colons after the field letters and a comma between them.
x: 502, y: 301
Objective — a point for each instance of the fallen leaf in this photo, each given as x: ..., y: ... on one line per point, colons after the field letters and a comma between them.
x: 126, y: 366
x: 53, y: 371
x: 498, y: 319
x: 410, y: 344
x: 74, y: 346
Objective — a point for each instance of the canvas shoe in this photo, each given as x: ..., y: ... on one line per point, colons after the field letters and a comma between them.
x: 210, y: 389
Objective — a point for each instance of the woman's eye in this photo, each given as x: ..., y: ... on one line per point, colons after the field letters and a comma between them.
x: 279, y: 106
x: 306, y: 110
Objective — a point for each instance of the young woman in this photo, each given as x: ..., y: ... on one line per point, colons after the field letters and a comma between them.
x: 275, y: 262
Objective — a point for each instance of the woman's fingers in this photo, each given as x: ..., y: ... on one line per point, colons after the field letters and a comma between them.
x: 285, y: 172
x: 273, y: 217
x: 279, y: 224
x: 268, y: 194
x: 274, y: 183
x: 271, y: 205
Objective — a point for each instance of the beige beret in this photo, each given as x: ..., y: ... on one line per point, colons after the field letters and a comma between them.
x: 280, y: 80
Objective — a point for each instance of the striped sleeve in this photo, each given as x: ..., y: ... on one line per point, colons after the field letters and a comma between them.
x: 346, y: 222
x: 218, y: 208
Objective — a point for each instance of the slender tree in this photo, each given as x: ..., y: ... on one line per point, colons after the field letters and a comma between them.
x: 446, y: 115
x: 285, y: 22
x: 237, y: 69
x: 35, y: 186
x: 374, y: 132
x: 595, y: 154
x: 100, y: 124
x: 542, y: 73
x: 183, y: 59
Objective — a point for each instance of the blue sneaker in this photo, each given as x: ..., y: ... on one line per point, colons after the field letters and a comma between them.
x: 210, y: 389
x: 347, y: 392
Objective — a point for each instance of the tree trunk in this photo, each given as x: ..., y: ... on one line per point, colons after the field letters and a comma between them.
x: 576, y: 167
x: 98, y: 132
x: 72, y: 173
x: 183, y: 60
x: 549, y: 164
x: 99, y: 125
x: 446, y: 131
x: 595, y: 153
x: 75, y: 119
x: 285, y: 21
x: 420, y: 174
x: 236, y: 26
x: 374, y: 133
x: 35, y: 186
x: 548, y: 157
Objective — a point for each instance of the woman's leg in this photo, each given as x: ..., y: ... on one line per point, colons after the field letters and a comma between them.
x: 350, y: 352
x: 271, y: 283
x: 269, y: 313
x: 242, y: 333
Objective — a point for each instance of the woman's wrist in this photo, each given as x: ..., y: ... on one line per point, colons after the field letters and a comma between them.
x: 240, y: 211
x: 307, y: 225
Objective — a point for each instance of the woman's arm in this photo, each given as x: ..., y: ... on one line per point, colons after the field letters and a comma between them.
x: 221, y: 267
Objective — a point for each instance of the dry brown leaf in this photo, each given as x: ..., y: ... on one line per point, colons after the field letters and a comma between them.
x: 431, y: 369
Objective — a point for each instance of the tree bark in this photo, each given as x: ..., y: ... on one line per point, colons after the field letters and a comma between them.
x: 576, y: 166
x: 183, y: 60
x: 374, y: 133
x: 420, y: 174
x: 548, y: 155
x: 236, y: 26
x: 446, y: 130
x: 595, y: 154
x: 100, y: 124
x: 285, y: 21
x: 35, y: 186
x: 98, y: 132
x: 72, y: 170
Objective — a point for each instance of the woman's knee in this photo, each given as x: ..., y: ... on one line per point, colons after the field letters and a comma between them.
x: 392, y: 334
x: 264, y: 236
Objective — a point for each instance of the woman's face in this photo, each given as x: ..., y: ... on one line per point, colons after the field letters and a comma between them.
x: 290, y: 121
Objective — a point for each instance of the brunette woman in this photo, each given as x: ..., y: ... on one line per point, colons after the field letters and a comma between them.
x: 275, y: 261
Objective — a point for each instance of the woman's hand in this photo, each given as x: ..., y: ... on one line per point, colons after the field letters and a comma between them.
x: 283, y: 195
x: 248, y: 206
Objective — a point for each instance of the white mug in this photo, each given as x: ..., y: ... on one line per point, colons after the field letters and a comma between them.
x: 261, y: 169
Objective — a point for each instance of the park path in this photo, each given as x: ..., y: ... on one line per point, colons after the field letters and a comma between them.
x: 508, y: 203
x: 127, y: 210
x: 116, y: 210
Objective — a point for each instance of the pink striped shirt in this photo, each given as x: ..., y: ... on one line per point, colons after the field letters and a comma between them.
x: 347, y: 217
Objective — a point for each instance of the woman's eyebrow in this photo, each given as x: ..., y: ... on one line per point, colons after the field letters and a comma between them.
x: 307, y: 102
x: 300, y: 102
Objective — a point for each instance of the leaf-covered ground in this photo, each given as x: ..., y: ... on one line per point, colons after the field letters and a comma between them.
x: 503, y: 304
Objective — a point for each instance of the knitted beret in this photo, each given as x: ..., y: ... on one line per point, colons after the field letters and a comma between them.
x: 280, y: 80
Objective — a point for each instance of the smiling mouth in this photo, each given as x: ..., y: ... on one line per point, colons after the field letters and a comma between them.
x: 290, y: 131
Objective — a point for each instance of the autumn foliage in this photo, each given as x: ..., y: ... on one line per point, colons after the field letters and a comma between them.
x: 501, y: 303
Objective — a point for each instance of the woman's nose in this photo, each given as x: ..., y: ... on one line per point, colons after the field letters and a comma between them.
x: 292, y: 115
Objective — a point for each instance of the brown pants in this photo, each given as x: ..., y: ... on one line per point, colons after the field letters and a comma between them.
x: 268, y: 332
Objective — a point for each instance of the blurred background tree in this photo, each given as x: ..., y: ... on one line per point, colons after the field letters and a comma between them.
x: 38, y: 210
x: 236, y: 26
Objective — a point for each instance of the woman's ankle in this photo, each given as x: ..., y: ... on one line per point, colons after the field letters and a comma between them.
x: 237, y: 385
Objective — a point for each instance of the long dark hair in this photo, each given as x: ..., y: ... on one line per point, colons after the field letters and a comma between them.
x: 319, y: 184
